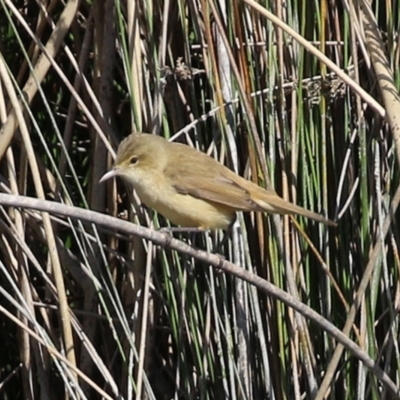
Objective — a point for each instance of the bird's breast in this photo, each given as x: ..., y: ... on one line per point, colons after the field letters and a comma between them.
x: 181, y: 209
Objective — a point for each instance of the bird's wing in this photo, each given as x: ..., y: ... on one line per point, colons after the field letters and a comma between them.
x: 229, y: 189
x: 211, y: 186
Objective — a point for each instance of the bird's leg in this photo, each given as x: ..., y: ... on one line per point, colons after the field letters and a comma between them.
x: 192, y: 232
x: 218, y: 247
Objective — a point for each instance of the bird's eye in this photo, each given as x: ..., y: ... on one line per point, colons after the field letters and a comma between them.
x: 133, y: 160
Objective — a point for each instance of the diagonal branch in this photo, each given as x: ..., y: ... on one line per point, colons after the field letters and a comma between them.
x: 214, y: 260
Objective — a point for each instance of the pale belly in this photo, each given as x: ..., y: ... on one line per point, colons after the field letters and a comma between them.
x: 185, y: 210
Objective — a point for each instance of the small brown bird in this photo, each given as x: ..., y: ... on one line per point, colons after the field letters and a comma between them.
x: 190, y: 188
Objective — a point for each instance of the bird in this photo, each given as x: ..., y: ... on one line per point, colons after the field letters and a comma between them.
x: 190, y: 188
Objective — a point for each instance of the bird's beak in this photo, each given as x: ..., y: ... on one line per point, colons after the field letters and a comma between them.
x: 110, y: 174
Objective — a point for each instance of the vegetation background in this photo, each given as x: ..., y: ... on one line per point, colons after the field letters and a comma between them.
x: 306, y: 103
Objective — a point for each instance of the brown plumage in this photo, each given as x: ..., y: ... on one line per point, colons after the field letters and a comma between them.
x: 189, y: 187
